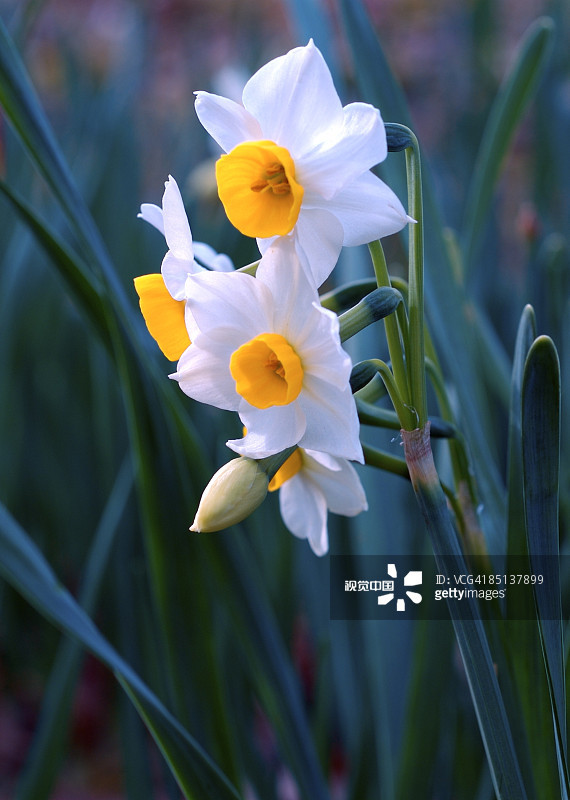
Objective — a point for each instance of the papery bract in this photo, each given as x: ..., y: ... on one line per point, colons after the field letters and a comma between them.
x: 264, y: 347
x: 302, y: 160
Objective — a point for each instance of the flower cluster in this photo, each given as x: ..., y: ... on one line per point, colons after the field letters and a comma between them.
x: 295, y: 174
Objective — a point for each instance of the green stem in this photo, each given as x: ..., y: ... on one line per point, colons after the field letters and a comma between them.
x: 415, y: 355
x: 402, y: 311
x: 373, y: 391
x: 391, y: 324
x: 378, y: 458
x: 405, y: 413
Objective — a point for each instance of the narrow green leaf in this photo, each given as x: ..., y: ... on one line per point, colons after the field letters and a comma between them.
x: 373, y: 73
x: 312, y: 19
x: 83, y: 285
x: 432, y: 661
x: 134, y: 740
x: 50, y: 739
x: 23, y: 110
x: 469, y: 629
x: 275, y: 679
x: 24, y: 567
x: 541, y: 466
x: 512, y: 101
x: 517, y: 543
x: 521, y: 636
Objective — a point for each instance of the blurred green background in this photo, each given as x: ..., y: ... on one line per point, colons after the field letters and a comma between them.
x: 232, y: 630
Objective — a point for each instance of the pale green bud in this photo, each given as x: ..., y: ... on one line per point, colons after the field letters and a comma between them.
x: 234, y: 492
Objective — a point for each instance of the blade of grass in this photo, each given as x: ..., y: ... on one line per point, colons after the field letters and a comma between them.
x: 310, y: 18
x: 541, y: 466
x: 469, y: 629
x: 517, y: 543
x: 50, y: 738
x: 274, y: 677
x: 84, y: 286
x: 512, y: 101
x: 23, y: 110
x: 134, y: 739
x: 24, y: 567
x: 520, y: 634
x: 431, y: 667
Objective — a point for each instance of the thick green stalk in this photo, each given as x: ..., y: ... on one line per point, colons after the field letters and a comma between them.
x: 468, y: 626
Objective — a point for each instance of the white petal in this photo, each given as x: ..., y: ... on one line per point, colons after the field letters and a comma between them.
x: 321, y: 351
x: 325, y: 459
x: 269, y: 430
x: 368, y: 210
x: 311, y: 330
x: 207, y: 256
x: 304, y: 511
x: 318, y: 238
x: 341, y: 487
x: 353, y: 148
x: 226, y: 121
x: 191, y: 324
x: 176, y: 227
x: 294, y: 99
x: 293, y: 294
x: 203, y: 374
x: 153, y: 215
x: 175, y: 271
x: 231, y: 300
x: 332, y: 421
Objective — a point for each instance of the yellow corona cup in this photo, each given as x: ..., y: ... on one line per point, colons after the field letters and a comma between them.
x: 257, y: 186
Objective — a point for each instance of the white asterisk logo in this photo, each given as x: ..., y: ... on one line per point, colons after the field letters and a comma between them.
x: 412, y: 578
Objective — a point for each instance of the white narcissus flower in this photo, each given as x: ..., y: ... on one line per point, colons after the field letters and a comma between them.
x: 162, y: 295
x: 264, y: 347
x: 310, y: 484
x: 299, y: 163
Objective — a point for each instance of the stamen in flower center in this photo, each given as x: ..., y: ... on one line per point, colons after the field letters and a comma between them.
x: 267, y: 371
x: 257, y: 185
x: 275, y: 179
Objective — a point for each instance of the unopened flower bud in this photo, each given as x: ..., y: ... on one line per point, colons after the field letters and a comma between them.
x: 234, y: 492
x: 376, y: 305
